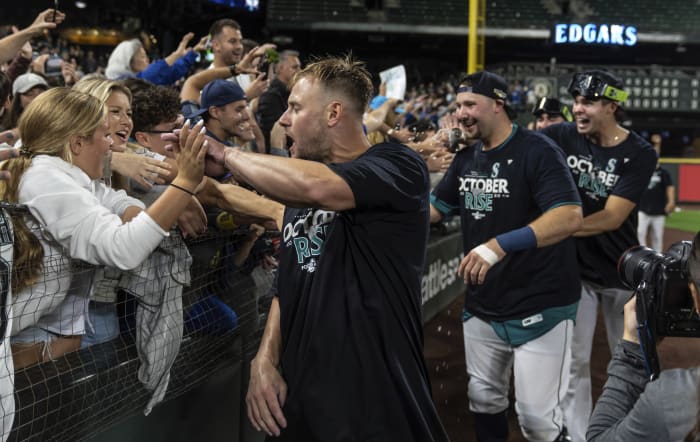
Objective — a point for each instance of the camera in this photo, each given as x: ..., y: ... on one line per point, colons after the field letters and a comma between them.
x: 664, y: 302
x: 52, y: 67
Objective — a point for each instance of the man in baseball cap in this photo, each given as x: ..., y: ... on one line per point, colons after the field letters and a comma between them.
x: 26, y: 82
x: 224, y: 109
x: 550, y: 111
x: 517, y: 203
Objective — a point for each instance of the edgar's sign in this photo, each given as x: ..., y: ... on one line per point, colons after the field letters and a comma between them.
x: 595, y: 34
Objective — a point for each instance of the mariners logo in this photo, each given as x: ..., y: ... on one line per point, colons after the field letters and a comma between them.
x: 307, y: 234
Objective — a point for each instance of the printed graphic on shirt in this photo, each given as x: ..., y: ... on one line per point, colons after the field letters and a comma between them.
x: 306, y: 233
x: 479, y: 189
x: 655, y: 180
x: 594, y: 178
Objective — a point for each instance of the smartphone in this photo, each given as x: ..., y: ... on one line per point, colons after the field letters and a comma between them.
x: 55, y: 8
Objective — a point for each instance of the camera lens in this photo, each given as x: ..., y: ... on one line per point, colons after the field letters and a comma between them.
x: 637, y: 264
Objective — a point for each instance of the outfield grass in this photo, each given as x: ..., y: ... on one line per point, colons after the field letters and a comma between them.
x: 686, y: 220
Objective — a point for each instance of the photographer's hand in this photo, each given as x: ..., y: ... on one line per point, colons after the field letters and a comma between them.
x: 630, y: 333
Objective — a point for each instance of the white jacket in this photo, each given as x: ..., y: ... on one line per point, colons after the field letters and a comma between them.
x: 78, y: 218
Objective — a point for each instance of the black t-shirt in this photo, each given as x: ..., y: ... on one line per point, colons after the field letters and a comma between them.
x: 504, y: 189
x: 624, y: 171
x: 655, y: 198
x: 350, y: 302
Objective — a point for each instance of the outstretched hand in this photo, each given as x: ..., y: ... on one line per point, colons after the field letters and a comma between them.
x: 46, y: 20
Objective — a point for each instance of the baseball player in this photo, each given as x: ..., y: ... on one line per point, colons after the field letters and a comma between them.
x: 518, y: 206
x: 611, y: 167
x: 550, y: 111
x: 657, y: 202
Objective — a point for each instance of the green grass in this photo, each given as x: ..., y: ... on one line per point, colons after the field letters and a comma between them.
x: 686, y: 220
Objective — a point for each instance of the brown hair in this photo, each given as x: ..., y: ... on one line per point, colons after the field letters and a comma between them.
x: 344, y: 75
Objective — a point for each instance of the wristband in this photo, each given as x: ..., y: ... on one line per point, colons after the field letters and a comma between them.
x: 519, y: 239
x: 232, y: 69
x: 182, y: 188
x: 487, y: 254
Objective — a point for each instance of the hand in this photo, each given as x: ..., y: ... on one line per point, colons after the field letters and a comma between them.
x: 68, y: 71
x: 182, y: 49
x: 140, y: 168
x: 9, y: 136
x: 449, y: 121
x: 267, y: 393
x: 382, y: 89
x: 440, y: 160
x: 251, y: 60
x: 474, y: 268
x: 269, y: 262
x: 257, y: 87
x: 6, y: 154
x: 214, y: 162
x: 201, y: 45
x: 669, y: 208
x: 278, y: 137
x: 44, y: 21
x: 193, y: 220
x: 255, y: 231
x: 193, y: 149
x: 38, y: 64
x: 630, y: 333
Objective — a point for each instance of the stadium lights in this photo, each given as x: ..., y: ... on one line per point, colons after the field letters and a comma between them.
x: 80, y: 5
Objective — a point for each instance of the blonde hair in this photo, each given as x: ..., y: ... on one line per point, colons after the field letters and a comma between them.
x: 46, y: 125
x: 101, y: 88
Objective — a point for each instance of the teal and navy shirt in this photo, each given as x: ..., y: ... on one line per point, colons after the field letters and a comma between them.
x: 503, y: 189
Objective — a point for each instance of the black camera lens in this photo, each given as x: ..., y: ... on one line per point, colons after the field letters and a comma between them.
x: 455, y: 138
x: 637, y: 264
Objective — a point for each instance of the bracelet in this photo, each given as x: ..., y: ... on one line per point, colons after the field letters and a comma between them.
x: 182, y: 188
x: 232, y: 69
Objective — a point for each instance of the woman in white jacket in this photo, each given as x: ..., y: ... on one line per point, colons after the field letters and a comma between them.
x: 74, y: 216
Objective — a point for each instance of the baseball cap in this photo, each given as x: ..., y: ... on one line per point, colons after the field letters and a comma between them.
x: 485, y: 83
x: 552, y: 106
x: 597, y: 84
x: 218, y: 93
x: 25, y: 82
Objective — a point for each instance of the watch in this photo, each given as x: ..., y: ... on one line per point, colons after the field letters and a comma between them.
x: 232, y: 69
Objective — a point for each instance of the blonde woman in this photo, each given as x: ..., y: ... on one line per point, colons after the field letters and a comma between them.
x: 125, y: 163
x: 75, y: 216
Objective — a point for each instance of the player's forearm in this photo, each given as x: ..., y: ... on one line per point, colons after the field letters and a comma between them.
x: 239, y: 200
x: 557, y: 224
x: 293, y: 182
x: 271, y: 342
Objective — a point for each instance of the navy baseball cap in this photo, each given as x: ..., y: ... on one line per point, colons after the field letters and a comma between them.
x: 218, y: 93
x: 552, y: 106
x: 485, y: 83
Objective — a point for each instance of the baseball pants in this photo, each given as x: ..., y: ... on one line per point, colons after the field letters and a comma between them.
x: 653, y: 224
x: 578, y: 402
x: 540, y: 371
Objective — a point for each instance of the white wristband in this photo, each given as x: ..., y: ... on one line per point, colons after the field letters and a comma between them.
x: 487, y: 254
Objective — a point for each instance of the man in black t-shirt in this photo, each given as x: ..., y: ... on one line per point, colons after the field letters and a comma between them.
x: 611, y: 167
x: 341, y: 357
x: 549, y: 111
x: 657, y: 202
x: 518, y: 206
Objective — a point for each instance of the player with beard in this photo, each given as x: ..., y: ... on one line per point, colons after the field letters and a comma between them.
x: 341, y: 357
x: 518, y: 206
x: 611, y: 167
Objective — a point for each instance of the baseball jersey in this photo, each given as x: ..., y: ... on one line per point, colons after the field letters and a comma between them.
x: 350, y: 307
x: 503, y: 189
x: 654, y: 198
x: 624, y: 171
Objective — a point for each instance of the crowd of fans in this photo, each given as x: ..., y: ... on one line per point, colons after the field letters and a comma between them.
x: 111, y: 211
